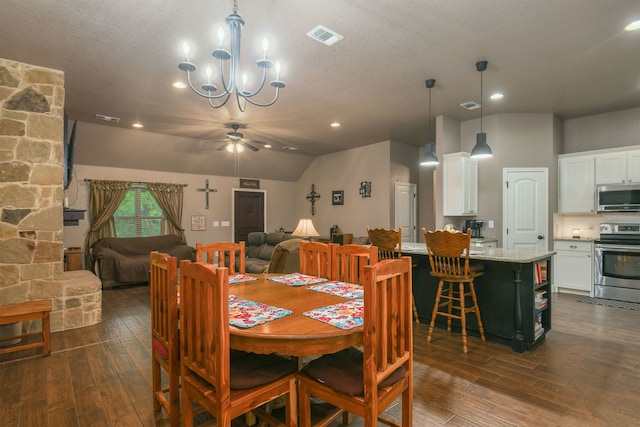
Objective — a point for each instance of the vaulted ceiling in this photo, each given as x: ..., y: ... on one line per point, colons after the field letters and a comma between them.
x: 571, y: 58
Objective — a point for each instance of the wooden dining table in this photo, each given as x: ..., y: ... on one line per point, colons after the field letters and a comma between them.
x: 295, y: 334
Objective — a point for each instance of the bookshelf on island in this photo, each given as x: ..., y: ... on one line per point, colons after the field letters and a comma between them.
x: 514, y: 294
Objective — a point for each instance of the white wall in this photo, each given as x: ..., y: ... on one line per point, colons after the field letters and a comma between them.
x: 280, y: 201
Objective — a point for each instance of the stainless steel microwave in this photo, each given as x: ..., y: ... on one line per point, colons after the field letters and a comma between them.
x: 618, y: 198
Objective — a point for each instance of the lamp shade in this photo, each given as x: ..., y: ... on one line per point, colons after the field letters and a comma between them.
x: 430, y: 158
x: 482, y: 149
x: 305, y: 228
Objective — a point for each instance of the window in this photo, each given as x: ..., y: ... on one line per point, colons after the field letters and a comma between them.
x: 138, y: 214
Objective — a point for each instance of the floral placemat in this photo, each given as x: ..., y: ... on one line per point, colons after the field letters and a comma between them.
x: 245, y: 313
x: 346, y: 315
x: 340, y: 289
x: 297, y: 279
x: 239, y: 278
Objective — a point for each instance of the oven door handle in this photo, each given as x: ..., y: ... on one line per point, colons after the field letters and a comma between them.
x: 607, y: 247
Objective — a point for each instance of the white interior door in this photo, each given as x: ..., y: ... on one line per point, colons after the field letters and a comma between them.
x: 405, y: 209
x: 525, y: 208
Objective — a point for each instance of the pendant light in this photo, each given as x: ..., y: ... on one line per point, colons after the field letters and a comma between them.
x: 430, y: 159
x: 482, y: 149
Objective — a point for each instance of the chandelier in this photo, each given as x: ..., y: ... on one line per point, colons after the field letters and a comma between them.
x: 230, y: 83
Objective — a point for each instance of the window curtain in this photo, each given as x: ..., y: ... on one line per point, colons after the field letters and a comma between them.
x: 105, y: 198
x: 169, y: 198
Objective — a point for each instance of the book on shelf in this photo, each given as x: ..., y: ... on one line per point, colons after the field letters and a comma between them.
x: 542, y: 304
x: 539, y: 294
x: 540, y: 275
x: 538, y: 333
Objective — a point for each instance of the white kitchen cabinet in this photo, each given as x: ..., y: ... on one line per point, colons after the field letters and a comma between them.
x: 573, y: 266
x: 622, y: 167
x: 576, y: 182
x: 484, y: 244
x: 460, y: 175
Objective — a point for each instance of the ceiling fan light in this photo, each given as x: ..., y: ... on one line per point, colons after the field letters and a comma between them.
x: 230, y: 148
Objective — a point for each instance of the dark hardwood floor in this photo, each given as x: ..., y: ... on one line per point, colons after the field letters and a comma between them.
x: 586, y: 373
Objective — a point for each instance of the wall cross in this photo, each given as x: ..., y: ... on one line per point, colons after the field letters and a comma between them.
x: 313, y: 197
x: 206, y: 191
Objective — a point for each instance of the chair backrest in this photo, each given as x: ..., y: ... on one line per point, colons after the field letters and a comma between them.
x: 229, y: 254
x: 204, y: 300
x: 315, y: 258
x: 388, y: 337
x: 448, y: 251
x: 348, y: 262
x: 388, y: 241
x: 285, y: 257
x: 163, y: 301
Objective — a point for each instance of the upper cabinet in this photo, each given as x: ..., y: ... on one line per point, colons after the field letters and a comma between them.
x: 621, y: 167
x: 460, y: 175
x: 576, y: 179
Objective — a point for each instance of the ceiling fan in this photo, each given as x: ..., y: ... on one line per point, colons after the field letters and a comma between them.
x: 236, y: 142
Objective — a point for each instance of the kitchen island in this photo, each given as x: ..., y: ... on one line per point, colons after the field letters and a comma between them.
x: 514, y: 294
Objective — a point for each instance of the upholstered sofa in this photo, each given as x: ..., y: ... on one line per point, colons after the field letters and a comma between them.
x: 125, y: 260
x: 259, y: 249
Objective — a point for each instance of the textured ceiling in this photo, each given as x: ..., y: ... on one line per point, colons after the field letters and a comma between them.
x: 567, y: 57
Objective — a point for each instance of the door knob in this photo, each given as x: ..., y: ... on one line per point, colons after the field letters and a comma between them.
x: 540, y: 237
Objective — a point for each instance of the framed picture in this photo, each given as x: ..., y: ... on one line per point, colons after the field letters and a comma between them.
x: 250, y: 183
x: 337, y: 197
x: 198, y: 222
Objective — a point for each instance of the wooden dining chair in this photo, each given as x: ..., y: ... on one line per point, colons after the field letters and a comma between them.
x: 228, y: 254
x: 315, y: 258
x: 449, y: 259
x: 224, y: 383
x: 366, y: 383
x: 348, y: 262
x: 164, y: 334
x: 389, y: 243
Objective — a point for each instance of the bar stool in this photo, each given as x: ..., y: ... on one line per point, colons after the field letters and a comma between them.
x: 449, y: 258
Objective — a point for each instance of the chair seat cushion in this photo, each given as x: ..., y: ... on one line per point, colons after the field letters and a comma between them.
x: 159, y: 348
x: 251, y: 370
x: 344, y: 372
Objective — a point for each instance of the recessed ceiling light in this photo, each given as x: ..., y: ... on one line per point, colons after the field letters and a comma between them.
x: 635, y: 25
x: 267, y: 145
x: 137, y: 125
x: 335, y: 125
x: 496, y: 96
x: 179, y: 85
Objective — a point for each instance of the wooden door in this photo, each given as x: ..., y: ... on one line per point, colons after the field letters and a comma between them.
x: 248, y: 213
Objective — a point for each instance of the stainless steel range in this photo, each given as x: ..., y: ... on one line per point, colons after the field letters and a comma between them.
x: 617, y: 262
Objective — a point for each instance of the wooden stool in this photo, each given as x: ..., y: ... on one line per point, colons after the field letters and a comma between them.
x: 449, y: 259
x: 28, y: 310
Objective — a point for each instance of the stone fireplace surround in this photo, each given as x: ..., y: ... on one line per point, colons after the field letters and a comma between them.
x: 31, y: 197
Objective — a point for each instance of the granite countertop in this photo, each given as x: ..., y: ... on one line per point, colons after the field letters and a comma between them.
x: 571, y: 239
x: 521, y: 256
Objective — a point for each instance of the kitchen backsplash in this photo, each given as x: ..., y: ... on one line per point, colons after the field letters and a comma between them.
x: 588, y: 226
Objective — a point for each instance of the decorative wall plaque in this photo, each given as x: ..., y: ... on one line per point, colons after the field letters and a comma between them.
x: 198, y: 222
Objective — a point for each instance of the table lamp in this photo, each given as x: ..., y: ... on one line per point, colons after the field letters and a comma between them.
x: 305, y: 228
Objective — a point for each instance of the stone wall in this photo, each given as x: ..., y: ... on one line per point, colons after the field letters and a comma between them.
x: 31, y: 192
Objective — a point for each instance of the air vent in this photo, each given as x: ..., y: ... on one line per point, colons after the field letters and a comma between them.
x: 324, y: 35
x: 107, y: 118
x: 290, y: 148
x: 470, y: 105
